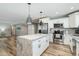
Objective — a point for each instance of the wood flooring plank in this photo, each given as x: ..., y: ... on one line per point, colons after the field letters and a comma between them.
x: 57, y: 50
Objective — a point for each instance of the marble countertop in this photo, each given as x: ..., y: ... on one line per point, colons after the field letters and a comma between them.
x: 32, y: 37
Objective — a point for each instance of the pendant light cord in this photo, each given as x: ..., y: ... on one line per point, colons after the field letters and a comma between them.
x: 29, y: 9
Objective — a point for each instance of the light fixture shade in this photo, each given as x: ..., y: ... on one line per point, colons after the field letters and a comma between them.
x: 29, y: 20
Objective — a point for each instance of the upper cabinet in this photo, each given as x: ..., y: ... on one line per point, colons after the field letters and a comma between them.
x: 74, y: 20
x: 63, y: 21
x: 66, y: 22
x: 77, y: 20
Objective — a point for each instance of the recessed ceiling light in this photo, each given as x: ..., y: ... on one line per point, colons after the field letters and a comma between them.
x: 57, y: 12
x: 72, y: 8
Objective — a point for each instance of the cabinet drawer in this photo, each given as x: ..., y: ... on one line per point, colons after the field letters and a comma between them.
x: 36, y: 42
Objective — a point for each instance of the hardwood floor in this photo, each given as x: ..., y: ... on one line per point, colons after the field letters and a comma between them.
x: 8, y: 47
x: 57, y: 50
x: 52, y: 50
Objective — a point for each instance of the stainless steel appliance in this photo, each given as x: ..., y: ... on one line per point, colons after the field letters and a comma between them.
x: 58, y: 34
x: 58, y: 25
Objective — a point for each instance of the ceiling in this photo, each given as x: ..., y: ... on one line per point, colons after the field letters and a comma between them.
x: 17, y: 12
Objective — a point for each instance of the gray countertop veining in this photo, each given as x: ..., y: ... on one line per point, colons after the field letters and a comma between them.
x: 32, y: 37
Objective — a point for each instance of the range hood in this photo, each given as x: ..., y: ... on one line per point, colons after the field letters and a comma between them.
x: 29, y: 19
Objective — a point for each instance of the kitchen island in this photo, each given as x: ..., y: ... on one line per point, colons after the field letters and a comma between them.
x: 32, y: 45
x: 75, y: 45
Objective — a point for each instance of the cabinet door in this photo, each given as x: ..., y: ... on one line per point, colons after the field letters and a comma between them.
x: 43, y: 46
x: 40, y: 45
x: 35, y: 48
x: 45, y: 43
x: 66, y: 22
x: 77, y: 21
x: 51, y: 38
x: 71, y: 20
x: 66, y: 39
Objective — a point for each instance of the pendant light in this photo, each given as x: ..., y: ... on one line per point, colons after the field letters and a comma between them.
x: 41, y: 14
x: 29, y: 19
x: 41, y: 23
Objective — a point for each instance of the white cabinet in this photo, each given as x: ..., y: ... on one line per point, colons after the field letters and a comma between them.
x: 71, y: 20
x: 67, y: 38
x: 40, y: 45
x: 75, y: 45
x: 74, y: 20
x: 51, y: 37
x: 36, y: 48
x: 77, y: 20
x: 64, y: 21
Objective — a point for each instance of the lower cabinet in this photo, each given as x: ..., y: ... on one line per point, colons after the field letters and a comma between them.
x: 35, y: 48
x: 51, y: 38
x: 67, y: 39
x: 75, y: 46
x: 40, y: 45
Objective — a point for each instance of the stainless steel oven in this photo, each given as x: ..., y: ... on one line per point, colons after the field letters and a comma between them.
x: 58, y: 34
